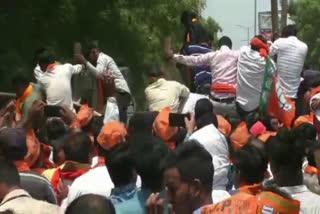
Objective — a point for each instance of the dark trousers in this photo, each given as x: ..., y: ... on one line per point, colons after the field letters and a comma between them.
x: 123, y: 101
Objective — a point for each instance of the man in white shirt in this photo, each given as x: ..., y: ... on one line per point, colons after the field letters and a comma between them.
x: 161, y: 93
x: 223, y: 65
x: 251, y: 66
x: 213, y: 141
x: 55, y: 80
x: 101, y: 63
x: 291, y: 54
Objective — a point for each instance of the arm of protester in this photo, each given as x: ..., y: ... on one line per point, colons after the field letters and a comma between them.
x: 35, y: 112
x: 68, y: 116
x: 95, y: 70
x: 77, y: 69
x: 203, y: 59
x: 184, y: 90
x: 108, y: 83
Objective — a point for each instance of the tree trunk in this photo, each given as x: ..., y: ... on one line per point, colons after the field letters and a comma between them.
x: 284, y: 13
x: 274, y: 16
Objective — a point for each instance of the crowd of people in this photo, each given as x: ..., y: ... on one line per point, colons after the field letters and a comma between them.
x: 207, y: 145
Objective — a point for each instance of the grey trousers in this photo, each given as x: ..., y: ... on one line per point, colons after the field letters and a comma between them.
x: 228, y: 110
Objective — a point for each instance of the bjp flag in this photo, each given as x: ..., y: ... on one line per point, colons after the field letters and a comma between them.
x: 273, y: 100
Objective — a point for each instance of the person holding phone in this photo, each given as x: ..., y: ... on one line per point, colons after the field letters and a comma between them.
x: 99, y: 63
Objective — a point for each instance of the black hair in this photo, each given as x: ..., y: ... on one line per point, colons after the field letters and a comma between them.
x: 9, y: 173
x: 57, y: 146
x: 45, y: 57
x: 286, y: 154
x: 37, y: 53
x: 147, y: 152
x: 91, y: 203
x: 193, y: 161
x: 251, y: 160
x: 255, y: 48
x: 187, y: 16
x: 204, y: 114
x: 13, y: 146
x: 120, y: 165
x: 289, y: 30
x: 77, y: 147
x: 141, y: 122
x: 93, y: 45
x: 225, y: 40
x: 306, y: 133
x: 55, y: 128
x: 154, y: 70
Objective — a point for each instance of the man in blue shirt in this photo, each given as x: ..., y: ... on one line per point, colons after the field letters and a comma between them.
x: 148, y: 151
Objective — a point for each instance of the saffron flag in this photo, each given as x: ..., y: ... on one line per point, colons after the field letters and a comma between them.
x: 273, y: 100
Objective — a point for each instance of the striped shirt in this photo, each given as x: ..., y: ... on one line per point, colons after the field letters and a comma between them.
x: 223, y: 65
x: 291, y: 54
x: 38, y: 187
x: 249, y: 79
x: 104, y: 64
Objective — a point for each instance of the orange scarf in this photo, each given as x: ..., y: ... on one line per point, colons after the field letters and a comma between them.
x: 223, y: 88
x: 51, y: 67
x: 312, y: 170
x: 263, y: 47
x: 70, y: 171
x: 21, y: 99
x: 22, y: 166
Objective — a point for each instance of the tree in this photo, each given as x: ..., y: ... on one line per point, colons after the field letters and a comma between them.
x: 306, y: 17
x: 133, y: 31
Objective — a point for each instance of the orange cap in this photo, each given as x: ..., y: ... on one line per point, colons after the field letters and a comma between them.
x: 161, y: 125
x: 303, y: 119
x: 85, y: 115
x: 111, y: 134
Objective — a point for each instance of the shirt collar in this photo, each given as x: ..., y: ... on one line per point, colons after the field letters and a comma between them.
x: 130, y: 188
x: 224, y: 48
x: 14, y: 194
x: 292, y: 37
x: 295, y: 189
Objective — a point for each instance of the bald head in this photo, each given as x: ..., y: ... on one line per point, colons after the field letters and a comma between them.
x: 88, y: 204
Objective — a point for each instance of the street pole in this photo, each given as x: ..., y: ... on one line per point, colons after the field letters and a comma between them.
x: 274, y: 16
x: 248, y: 35
x: 255, y: 17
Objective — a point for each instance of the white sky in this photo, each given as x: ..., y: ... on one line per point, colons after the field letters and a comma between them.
x: 229, y: 13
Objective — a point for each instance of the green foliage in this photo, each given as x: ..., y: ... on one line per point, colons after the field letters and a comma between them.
x: 307, y: 19
x: 131, y: 30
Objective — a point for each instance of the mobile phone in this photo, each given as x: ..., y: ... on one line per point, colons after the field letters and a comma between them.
x: 52, y: 111
x: 177, y: 120
x: 77, y: 48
